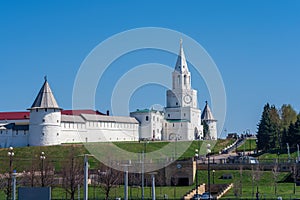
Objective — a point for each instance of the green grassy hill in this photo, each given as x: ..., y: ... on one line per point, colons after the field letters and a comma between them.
x: 26, y: 156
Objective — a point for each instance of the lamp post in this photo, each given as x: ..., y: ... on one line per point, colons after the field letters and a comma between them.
x: 143, y: 168
x: 126, y: 179
x: 213, y: 171
x: 14, y: 175
x: 208, y: 167
x: 42, y: 158
x: 10, y: 154
x: 196, y: 158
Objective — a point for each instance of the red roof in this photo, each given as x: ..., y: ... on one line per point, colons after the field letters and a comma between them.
x: 14, y: 115
x: 25, y: 115
x: 79, y: 112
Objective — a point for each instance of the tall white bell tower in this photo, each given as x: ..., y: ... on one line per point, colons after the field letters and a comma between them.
x: 182, y: 103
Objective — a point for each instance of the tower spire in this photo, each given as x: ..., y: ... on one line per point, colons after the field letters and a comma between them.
x: 45, y: 98
x: 181, y: 64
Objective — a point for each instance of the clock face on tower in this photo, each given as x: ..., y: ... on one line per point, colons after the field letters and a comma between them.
x: 187, y: 99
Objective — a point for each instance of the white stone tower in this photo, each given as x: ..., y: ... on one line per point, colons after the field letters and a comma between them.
x: 209, y: 119
x: 182, y: 112
x: 45, y: 118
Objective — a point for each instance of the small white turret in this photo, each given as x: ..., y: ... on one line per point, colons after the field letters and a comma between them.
x: 45, y: 118
x: 208, y: 118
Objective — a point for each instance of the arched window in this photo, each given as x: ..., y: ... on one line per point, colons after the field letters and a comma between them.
x: 184, y: 79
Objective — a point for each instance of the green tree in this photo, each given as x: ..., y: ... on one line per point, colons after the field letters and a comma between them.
x: 263, y: 128
x: 294, y: 133
x: 288, y: 115
x: 268, y: 133
x: 275, y: 128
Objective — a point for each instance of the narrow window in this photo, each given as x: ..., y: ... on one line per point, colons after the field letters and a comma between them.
x: 147, y: 118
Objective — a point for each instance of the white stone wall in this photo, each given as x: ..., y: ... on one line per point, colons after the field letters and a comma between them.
x: 212, y: 125
x: 13, y: 138
x: 44, y: 127
x: 98, y: 132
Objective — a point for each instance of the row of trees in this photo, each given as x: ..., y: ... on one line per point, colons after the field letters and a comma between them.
x: 68, y: 174
x: 277, y: 127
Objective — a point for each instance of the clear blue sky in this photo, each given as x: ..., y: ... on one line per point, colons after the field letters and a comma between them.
x: 255, y: 45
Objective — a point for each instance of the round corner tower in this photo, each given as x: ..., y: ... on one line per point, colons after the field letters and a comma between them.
x: 211, y: 122
x: 45, y: 117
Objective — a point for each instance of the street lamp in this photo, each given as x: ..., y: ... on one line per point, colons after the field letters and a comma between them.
x: 196, y: 158
x: 208, y: 167
x: 126, y: 166
x: 42, y: 158
x: 10, y: 154
x: 143, y: 168
x: 213, y: 176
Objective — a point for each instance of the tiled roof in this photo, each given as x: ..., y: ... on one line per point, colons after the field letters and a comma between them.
x: 79, y: 112
x: 72, y: 118
x: 45, y: 98
x: 14, y: 115
x: 207, y: 114
x: 103, y: 118
x: 26, y: 115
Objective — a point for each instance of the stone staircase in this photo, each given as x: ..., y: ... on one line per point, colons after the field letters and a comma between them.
x: 190, y: 194
x: 233, y: 146
x: 217, y: 190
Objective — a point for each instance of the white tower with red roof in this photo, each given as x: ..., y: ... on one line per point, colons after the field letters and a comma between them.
x: 45, y: 119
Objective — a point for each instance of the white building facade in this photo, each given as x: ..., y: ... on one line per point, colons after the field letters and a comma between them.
x: 48, y: 124
x: 181, y: 118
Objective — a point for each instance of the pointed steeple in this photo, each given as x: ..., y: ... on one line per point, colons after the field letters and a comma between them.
x: 45, y: 98
x: 207, y: 114
x: 181, y: 64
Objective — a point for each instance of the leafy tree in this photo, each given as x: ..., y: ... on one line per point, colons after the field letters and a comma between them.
x: 275, y: 128
x: 288, y: 115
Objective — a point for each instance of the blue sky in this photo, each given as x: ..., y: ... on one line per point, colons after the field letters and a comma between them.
x: 255, y: 45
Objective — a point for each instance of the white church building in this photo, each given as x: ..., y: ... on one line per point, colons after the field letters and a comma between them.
x: 45, y: 123
x: 181, y: 119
